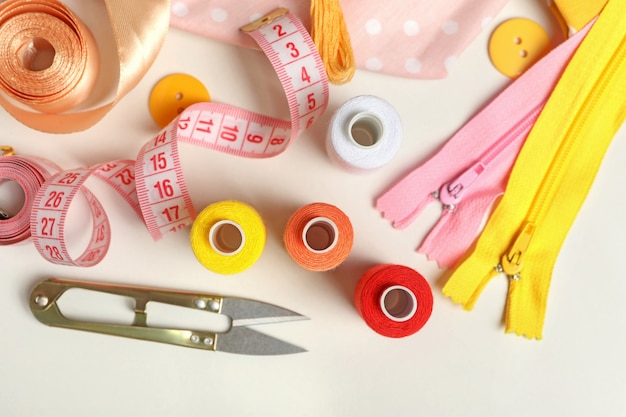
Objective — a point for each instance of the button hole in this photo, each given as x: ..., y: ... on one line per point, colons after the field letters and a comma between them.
x: 179, y: 96
x: 523, y: 53
x: 517, y: 40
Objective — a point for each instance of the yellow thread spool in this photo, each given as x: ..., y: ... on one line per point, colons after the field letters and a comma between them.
x: 228, y: 237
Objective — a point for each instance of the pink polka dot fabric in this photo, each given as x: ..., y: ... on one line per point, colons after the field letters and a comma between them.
x: 411, y: 38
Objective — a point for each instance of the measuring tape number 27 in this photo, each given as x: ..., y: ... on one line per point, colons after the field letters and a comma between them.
x: 154, y: 184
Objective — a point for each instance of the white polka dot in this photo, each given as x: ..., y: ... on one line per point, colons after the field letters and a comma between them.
x: 374, y: 64
x: 373, y: 26
x: 411, y: 28
x: 219, y: 15
x: 450, y: 27
x: 255, y: 16
x: 486, y: 21
x: 413, y: 65
x: 449, y: 62
x: 180, y: 9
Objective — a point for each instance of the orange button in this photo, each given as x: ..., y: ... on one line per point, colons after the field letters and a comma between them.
x: 173, y: 94
x: 516, y: 45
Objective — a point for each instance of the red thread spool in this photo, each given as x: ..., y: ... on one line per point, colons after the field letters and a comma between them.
x: 394, y: 300
x: 319, y: 237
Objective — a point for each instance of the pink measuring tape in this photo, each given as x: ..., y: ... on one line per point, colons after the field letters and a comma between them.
x: 29, y: 173
x: 153, y: 184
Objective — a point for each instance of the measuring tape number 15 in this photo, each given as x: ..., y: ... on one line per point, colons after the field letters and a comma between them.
x: 154, y: 184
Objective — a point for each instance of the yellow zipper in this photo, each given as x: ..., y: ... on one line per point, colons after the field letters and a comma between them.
x: 551, y: 178
x: 544, y: 199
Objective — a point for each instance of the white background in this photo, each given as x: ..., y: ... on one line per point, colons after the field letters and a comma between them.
x: 460, y: 364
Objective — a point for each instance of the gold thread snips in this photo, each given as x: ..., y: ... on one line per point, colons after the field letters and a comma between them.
x: 239, y: 338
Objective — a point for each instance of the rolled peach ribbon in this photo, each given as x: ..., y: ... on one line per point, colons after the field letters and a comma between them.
x: 49, y: 60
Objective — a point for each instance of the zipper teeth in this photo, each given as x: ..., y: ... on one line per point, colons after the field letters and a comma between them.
x: 510, y: 136
x: 547, y: 187
x: 504, y: 141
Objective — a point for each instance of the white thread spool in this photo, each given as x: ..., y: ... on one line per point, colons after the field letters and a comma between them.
x: 365, y: 133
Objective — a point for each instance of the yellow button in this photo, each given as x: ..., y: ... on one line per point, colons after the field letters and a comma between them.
x: 516, y: 45
x: 173, y: 94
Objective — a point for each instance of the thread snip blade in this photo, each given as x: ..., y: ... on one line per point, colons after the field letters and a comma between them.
x: 246, y: 341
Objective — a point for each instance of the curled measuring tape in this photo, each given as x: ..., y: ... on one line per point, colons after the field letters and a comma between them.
x: 48, y: 194
x: 53, y: 200
x: 49, y: 61
x: 364, y: 134
x: 228, y: 237
x: 163, y: 195
x: 319, y: 237
x: 153, y: 184
x: 394, y: 300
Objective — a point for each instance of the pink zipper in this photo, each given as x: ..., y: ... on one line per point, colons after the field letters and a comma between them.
x: 486, y: 148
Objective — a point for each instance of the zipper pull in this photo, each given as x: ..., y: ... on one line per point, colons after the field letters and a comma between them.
x: 451, y: 193
x: 511, y: 262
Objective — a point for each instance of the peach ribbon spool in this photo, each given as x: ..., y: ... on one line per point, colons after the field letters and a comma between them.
x: 394, y: 300
x: 319, y: 237
x: 49, y: 61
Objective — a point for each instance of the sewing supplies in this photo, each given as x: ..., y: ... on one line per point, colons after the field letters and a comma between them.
x: 49, y: 61
x: 52, y: 202
x: 29, y: 173
x: 319, y: 237
x: 154, y: 185
x: 228, y: 237
x: 393, y: 300
x: 173, y: 94
x: 364, y: 134
x: 239, y: 338
x: 516, y: 44
x: 331, y: 37
x: 550, y: 179
x: 415, y: 39
x: 471, y: 170
x: 229, y: 129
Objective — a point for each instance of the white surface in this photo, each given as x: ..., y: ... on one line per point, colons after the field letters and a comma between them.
x: 460, y: 364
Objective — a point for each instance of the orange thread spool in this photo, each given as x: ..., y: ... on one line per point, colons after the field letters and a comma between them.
x: 394, y: 300
x: 319, y: 237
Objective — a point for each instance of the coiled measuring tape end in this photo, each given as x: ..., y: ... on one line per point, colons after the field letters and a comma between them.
x: 319, y: 236
x: 394, y: 300
x: 29, y: 174
x: 364, y: 134
x: 228, y: 237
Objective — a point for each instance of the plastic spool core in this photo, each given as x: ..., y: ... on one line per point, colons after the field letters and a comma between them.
x: 227, y: 237
x: 365, y: 129
x: 320, y: 235
x: 36, y: 55
x: 398, y: 303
